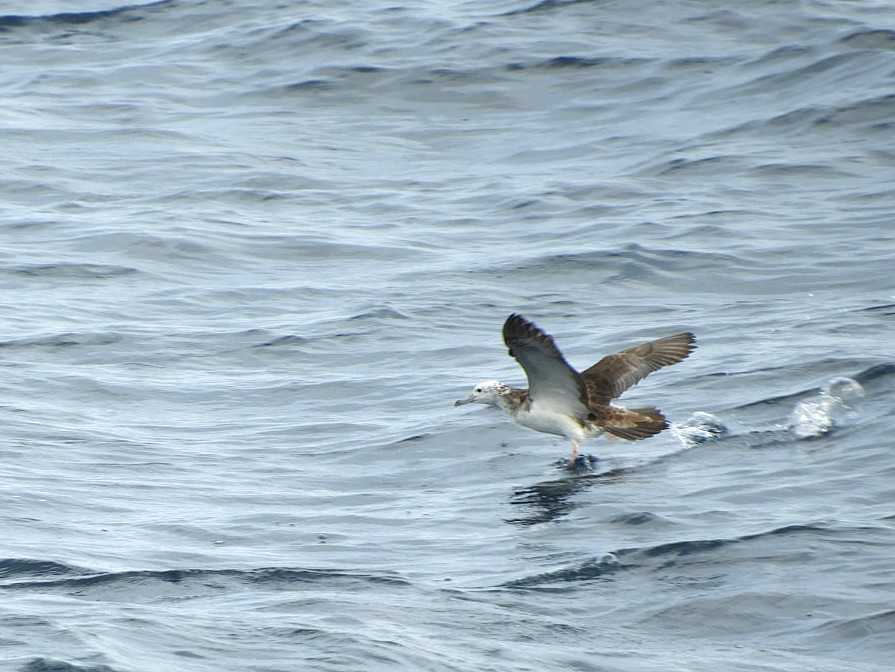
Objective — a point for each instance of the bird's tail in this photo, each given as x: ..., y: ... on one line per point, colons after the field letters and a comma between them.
x: 635, y: 423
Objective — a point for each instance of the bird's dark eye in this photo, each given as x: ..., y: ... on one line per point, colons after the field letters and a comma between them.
x: 478, y: 389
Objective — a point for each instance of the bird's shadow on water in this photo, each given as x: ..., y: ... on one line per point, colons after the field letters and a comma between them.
x: 550, y: 500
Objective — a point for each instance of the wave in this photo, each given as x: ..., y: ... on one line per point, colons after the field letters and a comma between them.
x: 871, y: 39
x: 664, y: 556
x: 73, y: 271
x: 863, y: 377
x: 129, y: 12
x: 576, y: 63
x: 886, y: 309
x: 873, y: 113
x: 16, y: 567
x: 639, y: 518
x: 64, y: 340
x: 44, y: 575
x: 879, y: 624
x: 874, y: 373
x: 56, y: 665
x: 631, y: 260
x: 546, y: 6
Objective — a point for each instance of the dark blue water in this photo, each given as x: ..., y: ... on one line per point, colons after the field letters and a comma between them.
x: 251, y: 252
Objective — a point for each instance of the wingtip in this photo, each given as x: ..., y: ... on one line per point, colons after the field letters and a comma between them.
x: 514, y: 323
x: 657, y: 416
x: 690, y: 338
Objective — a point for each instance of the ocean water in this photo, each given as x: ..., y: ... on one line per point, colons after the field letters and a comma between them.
x: 251, y: 252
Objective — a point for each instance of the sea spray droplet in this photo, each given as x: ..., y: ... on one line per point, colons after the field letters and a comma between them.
x: 845, y: 389
x: 699, y: 428
x: 817, y: 416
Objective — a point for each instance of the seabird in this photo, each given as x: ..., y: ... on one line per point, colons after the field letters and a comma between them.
x: 560, y: 400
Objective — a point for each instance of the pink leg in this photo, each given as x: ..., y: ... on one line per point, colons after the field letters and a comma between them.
x: 575, y: 446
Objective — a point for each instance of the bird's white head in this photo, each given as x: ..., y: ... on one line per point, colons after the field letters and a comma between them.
x: 486, y: 392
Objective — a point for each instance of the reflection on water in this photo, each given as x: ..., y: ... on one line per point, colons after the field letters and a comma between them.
x: 550, y: 500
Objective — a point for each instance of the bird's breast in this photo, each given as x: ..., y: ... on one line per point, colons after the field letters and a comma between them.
x: 549, y: 421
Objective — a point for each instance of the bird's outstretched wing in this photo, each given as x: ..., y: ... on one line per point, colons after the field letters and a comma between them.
x: 551, y: 381
x: 612, y: 375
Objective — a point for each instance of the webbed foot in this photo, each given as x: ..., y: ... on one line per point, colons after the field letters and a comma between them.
x: 581, y: 464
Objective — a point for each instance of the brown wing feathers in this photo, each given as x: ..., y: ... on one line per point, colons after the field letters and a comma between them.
x: 612, y: 375
x: 631, y: 424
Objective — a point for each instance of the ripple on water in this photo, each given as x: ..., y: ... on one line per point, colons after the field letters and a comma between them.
x: 56, y: 665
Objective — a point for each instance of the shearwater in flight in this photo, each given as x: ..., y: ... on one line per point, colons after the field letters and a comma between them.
x: 560, y: 400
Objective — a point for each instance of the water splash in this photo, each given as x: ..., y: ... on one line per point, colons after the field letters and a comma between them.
x: 699, y: 428
x: 817, y: 416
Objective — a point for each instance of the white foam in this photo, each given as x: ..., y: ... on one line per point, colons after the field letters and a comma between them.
x: 818, y: 415
x: 699, y: 428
